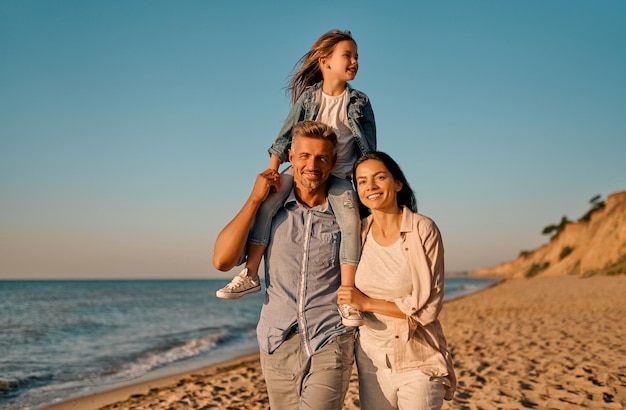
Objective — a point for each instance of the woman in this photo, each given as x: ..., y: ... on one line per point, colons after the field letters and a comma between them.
x: 402, y: 357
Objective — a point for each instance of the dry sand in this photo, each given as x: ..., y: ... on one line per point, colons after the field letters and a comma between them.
x: 543, y: 343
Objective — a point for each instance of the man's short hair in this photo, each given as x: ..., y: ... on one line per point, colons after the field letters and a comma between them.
x: 314, y: 129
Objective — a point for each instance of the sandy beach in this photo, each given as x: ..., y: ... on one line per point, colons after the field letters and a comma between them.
x: 542, y: 343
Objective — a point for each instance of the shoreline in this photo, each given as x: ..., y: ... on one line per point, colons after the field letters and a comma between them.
x: 103, y: 397
x: 546, y: 342
x: 105, y: 394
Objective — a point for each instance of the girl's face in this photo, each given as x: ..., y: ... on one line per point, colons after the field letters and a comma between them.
x: 376, y: 186
x: 343, y: 63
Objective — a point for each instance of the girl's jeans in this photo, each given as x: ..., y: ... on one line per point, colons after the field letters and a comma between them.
x: 343, y: 201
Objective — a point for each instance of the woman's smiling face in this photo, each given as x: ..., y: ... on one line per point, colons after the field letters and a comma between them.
x: 376, y: 186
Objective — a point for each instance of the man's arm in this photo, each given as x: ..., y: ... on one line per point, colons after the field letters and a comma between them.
x: 231, y: 241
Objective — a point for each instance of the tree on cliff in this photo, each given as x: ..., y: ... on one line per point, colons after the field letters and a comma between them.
x: 596, y: 204
x: 555, y: 230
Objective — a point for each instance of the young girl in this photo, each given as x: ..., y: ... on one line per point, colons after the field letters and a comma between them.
x: 320, y: 91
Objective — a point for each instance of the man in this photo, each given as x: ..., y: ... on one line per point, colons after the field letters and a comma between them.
x: 307, y: 354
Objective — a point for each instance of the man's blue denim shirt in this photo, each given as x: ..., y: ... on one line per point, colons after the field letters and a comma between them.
x: 360, y: 118
x: 302, y: 276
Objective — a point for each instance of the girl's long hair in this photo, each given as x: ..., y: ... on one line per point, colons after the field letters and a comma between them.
x: 307, y: 71
x: 405, y: 197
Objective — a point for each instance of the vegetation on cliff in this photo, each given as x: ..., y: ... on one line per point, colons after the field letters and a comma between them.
x: 554, y: 230
x: 593, y: 245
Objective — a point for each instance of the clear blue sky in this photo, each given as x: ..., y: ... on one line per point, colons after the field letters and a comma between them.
x: 131, y: 131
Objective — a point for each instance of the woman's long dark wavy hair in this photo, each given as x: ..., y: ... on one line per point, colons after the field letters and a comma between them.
x: 405, y: 197
x: 307, y: 70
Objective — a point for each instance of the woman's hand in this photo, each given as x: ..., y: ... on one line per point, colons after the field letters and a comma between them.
x: 352, y: 296
x: 349, y: 295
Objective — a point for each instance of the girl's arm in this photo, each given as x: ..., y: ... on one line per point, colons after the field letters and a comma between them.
x: 274, y: 162
x: 369, y: 125
x: 280, y: 147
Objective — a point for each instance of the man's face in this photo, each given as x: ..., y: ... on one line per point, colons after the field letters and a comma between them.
x: 312, y: 159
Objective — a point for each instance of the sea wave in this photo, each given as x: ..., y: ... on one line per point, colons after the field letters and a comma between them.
x: 12, y: 387
x: 145, y: 362
x: 155, y: 359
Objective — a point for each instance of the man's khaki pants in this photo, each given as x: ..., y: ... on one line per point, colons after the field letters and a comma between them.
x: 319, y: 382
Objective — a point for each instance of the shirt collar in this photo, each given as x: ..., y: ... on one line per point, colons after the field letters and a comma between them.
x: 291, y: 198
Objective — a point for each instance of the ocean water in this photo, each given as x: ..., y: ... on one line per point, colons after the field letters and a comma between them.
x: 64, y: 339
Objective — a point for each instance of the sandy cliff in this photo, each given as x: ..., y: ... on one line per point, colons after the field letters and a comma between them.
x: 597, y: 246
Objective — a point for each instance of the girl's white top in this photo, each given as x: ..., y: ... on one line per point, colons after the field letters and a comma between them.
x: 333, y: 112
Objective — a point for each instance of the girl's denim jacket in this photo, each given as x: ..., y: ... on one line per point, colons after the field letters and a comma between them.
x: 360, y: 118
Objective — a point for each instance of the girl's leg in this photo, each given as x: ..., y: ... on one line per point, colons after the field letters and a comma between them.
x: 261, y: 228
x: 348, y: 272
x: 350, y: 316
x: 345, y: 206
x: 247, y: 281
x: 260, y: 232
x: 344, y: 203
x: 253, y: 261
